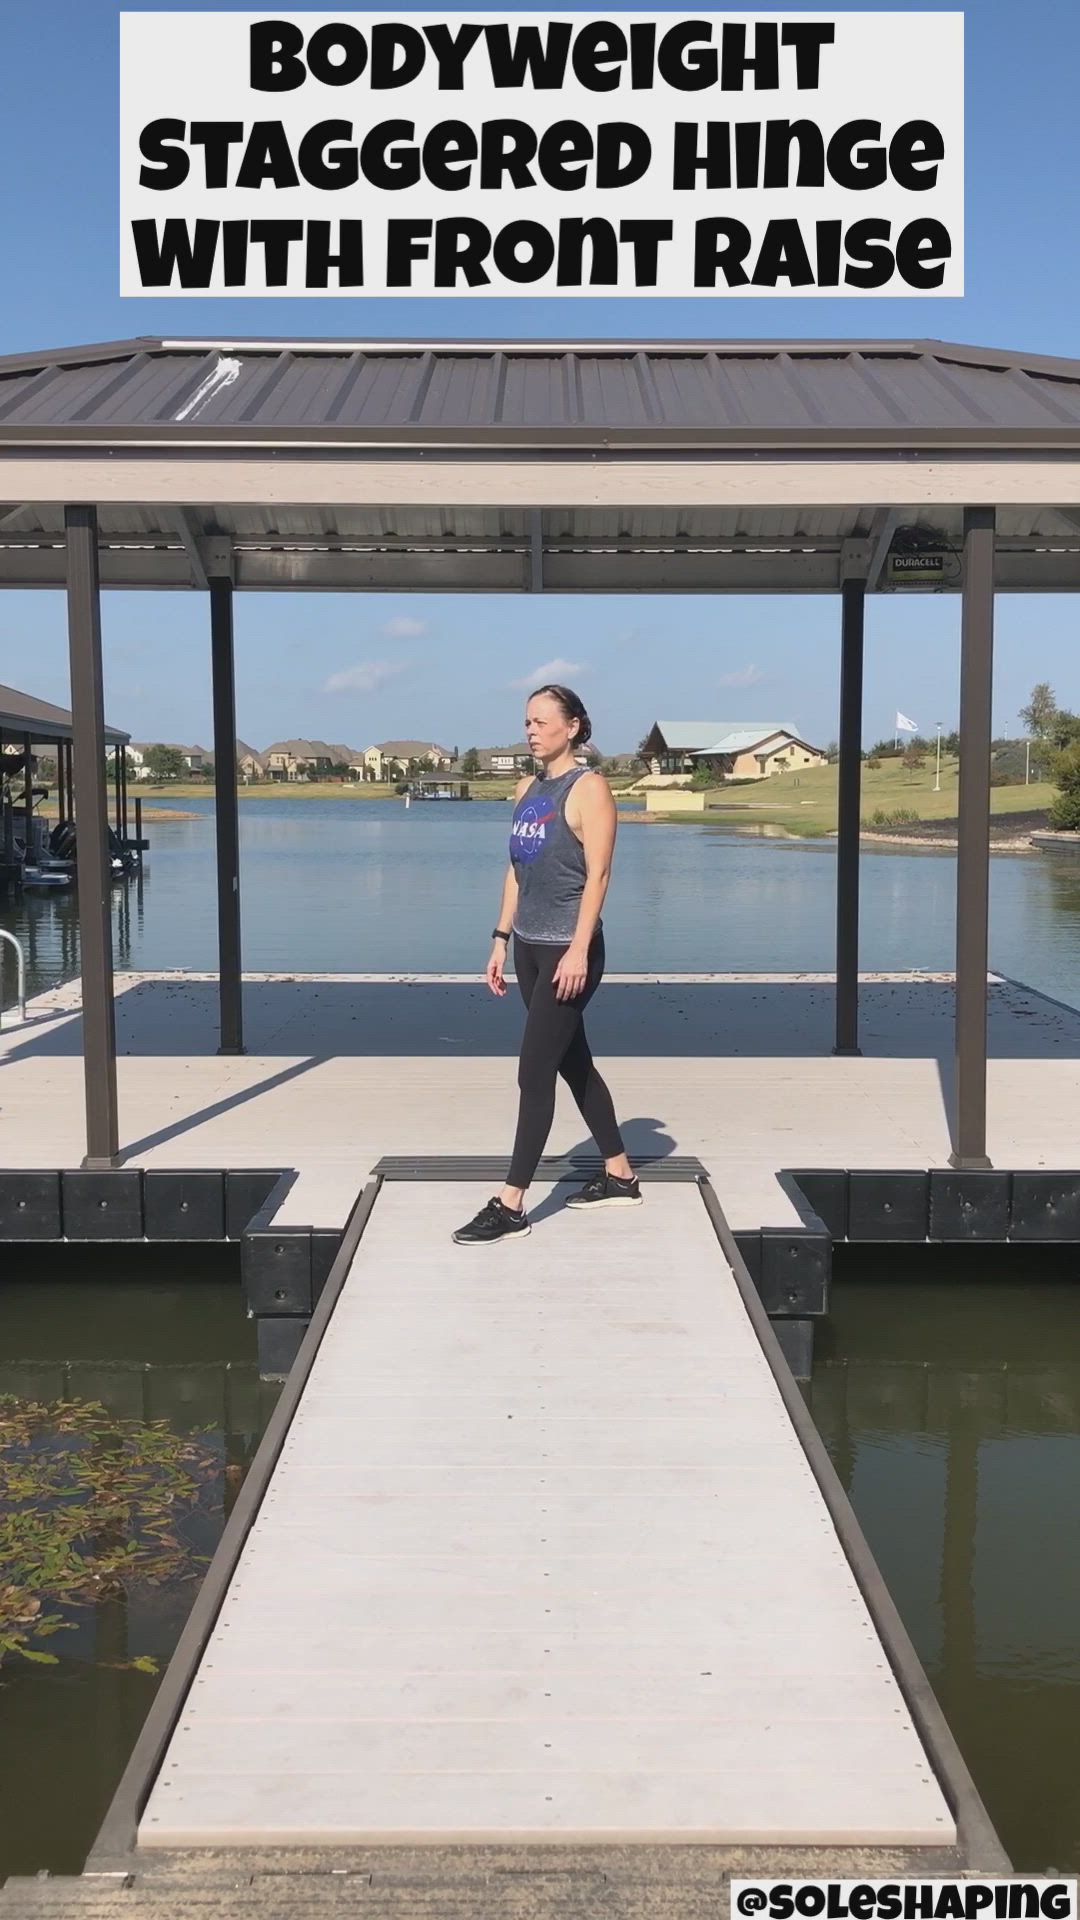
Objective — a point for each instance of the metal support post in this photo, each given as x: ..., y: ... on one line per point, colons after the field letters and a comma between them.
x: 28, y: 801
x: 849, y: 799
x: 973, y: 837
x: 230, y: 989
x: 93, y: 863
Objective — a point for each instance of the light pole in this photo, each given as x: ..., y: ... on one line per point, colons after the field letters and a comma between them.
x: 1027, y: 761
x: 937, y: 775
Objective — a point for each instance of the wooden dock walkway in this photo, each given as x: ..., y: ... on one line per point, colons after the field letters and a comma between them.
x: 543, y: 1559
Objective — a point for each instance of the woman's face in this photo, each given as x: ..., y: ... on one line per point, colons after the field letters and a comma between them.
x: 547, y: 729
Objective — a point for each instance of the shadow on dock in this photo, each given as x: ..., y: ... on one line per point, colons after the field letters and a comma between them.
x: 341, y: 1017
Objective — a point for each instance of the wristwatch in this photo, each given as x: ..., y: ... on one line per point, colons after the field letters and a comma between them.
x: 499, y: 933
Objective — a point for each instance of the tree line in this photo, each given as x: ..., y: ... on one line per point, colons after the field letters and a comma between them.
x: 1057, y: 731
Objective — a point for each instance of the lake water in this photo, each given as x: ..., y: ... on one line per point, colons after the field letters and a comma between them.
x: 148, y: 1338
x: 368, y: 886
x: 951, y: 1413
x: 950, y: 1406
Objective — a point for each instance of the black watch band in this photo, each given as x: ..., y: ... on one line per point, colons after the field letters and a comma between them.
x: 498, y: 933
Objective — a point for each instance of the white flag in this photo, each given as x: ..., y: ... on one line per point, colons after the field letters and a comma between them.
x: 904, y: 725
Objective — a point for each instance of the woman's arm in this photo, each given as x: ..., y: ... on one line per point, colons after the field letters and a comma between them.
x: 509, y: 899
x: 598, y: 820
x: 510, y: 886
x: 493, y: 972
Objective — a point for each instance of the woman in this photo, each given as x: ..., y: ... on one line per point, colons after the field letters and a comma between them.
x: 562, y: 839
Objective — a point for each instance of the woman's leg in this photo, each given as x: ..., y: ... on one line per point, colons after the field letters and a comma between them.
x: 594, y: 1101
x: 590, y: 1089
x: 525, y: 968
x: 552, y: 1027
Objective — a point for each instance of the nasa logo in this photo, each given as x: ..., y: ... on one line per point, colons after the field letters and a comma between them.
x: 528, y: 832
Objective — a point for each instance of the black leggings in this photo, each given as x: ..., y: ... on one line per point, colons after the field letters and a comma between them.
x: 554, y: 1042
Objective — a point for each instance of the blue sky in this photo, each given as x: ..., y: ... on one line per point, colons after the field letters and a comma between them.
x: 452, y: 669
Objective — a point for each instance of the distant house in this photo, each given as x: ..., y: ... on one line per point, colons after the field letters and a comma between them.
x: 504, y: 760
x: 369, y: 765
x: 196, y: 759
x: 250, y: 764
x: 389, y: 759
x: 299, y: 759
x: 405, y: 750
x: 375, y: 763
x: 732, y: 749
x: 507, y: 762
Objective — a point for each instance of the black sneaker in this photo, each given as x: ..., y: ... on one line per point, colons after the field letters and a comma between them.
x: 607, y: 1190
x: 493, y: 1222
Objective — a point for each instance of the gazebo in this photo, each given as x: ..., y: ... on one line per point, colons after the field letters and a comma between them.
x: 841, y: 467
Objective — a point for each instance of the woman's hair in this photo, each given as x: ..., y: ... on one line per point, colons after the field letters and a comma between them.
x: 574, y: 709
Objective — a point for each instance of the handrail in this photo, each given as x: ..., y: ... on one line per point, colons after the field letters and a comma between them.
x: 20, y: 960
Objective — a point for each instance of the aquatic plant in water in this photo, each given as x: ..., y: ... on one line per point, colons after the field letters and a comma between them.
x: 91, y: 1505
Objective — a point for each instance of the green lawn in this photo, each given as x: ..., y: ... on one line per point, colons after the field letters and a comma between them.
x: 805, y: 803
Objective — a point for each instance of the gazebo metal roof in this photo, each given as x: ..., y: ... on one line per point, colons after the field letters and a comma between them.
x: 477, y: 466
x: 535, y: 465
x: 749, y: 393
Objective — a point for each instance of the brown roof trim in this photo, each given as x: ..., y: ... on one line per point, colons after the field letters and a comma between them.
x: 200, y: 441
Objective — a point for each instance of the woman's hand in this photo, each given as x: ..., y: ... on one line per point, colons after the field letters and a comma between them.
x: 570, y: 974
x: 494, y: 972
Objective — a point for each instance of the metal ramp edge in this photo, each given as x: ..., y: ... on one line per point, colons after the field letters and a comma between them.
x: 487, y: 1166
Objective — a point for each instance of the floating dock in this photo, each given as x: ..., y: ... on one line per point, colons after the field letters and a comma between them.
x: 736, y: 1069
x: 541, y: 1568
x: 542, y: 1558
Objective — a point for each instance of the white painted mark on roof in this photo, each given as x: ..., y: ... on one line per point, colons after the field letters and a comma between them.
x: 220, y: 376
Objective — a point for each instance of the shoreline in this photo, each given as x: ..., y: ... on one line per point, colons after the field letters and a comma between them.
x: 935, y: 842
x: 945, y: 843
x: 158, y: 813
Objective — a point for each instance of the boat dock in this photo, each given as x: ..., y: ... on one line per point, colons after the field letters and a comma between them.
x: 541, y: 1581
x: 33, y: 852
x: 581, y: 1460
x: 438, y: 787
x: 552, y: 1518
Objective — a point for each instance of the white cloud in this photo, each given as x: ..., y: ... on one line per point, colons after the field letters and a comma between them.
x: 402, y: 627
x: 560, y: 672
x: 742, y: 677
x: 365, y: 677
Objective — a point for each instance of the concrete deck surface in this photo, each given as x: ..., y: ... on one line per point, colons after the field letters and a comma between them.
x: 343, y: 1069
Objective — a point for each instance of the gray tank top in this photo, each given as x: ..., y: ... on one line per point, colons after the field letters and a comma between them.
x: 548, y: 861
